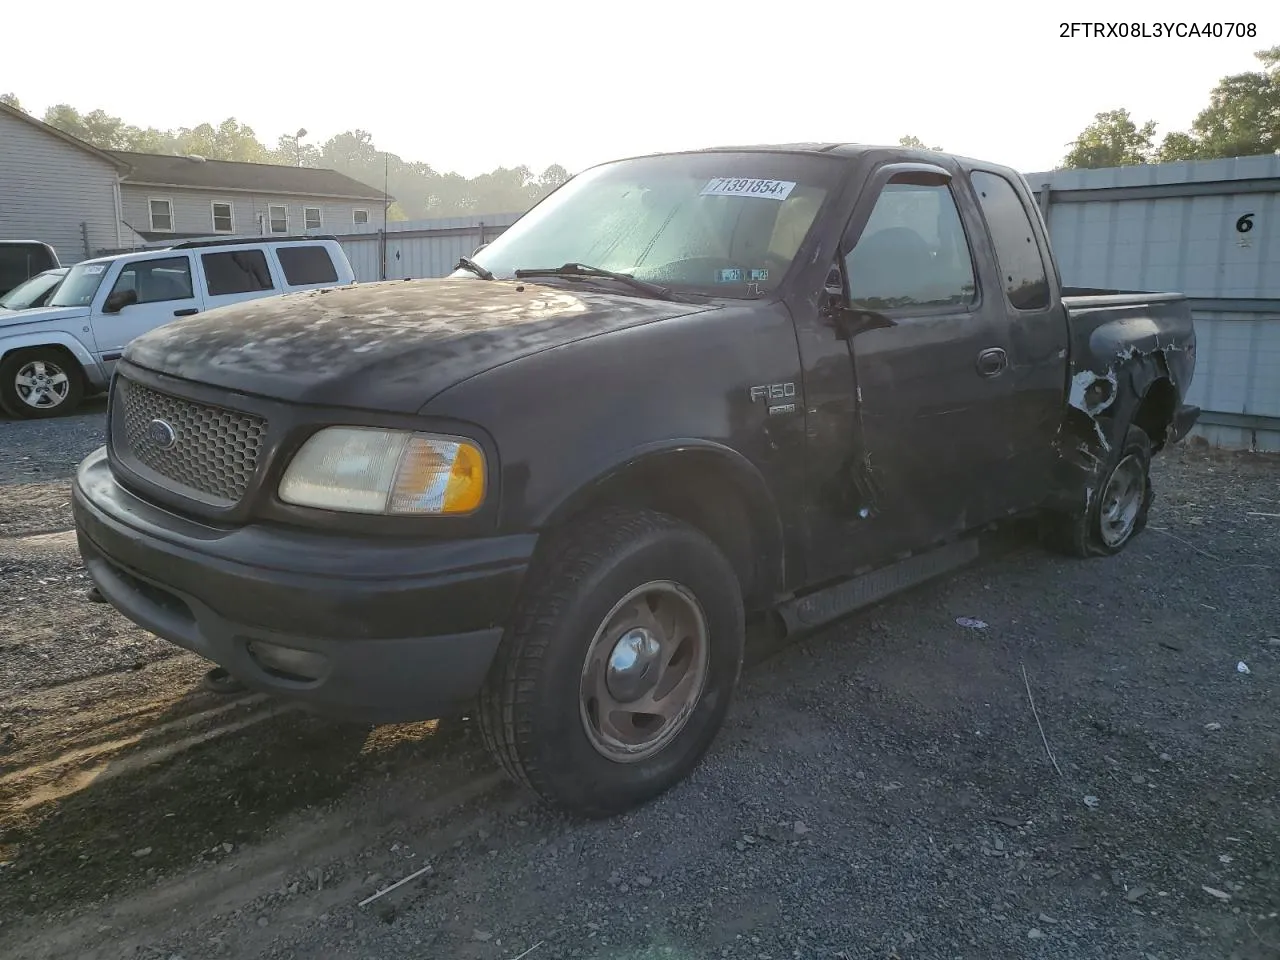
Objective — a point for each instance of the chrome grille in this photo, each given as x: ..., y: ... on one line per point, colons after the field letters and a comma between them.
x: 213, y: 451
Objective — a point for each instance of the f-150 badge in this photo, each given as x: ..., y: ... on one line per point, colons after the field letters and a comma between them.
x: 773, y: 392
x: 779, y: 396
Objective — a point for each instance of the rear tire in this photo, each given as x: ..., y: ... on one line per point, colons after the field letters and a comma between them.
x: 1119, y: 503
x: 554, y: 711
x: 40, y: 382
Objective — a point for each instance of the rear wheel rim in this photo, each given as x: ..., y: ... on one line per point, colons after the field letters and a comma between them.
x: 41, y: 385
x: 1122, y: 501
x: 644, y: 672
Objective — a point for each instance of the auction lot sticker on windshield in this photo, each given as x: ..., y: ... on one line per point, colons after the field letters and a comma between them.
x: 95, y: 268
x: 740, y: 187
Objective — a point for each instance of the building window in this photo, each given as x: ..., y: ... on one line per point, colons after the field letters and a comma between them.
x: 278, y: 215
x: 223, y: 222
x: 359, y: 217
x: 161, y: 215
x: 312, y: 217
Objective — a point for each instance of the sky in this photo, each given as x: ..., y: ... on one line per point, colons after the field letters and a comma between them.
x: 497, y: 83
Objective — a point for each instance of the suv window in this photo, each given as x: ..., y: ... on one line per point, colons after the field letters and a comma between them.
x: 34, y: 292
x: 157, y: 280
x: 304, y: 265
x: 913, y: 251
x: 237, y: 271
x: 19, y: 262
x: 1021, y: 268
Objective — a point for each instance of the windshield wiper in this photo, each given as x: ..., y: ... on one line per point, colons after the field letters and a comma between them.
x: 582, y: 270
x: 466, y: 263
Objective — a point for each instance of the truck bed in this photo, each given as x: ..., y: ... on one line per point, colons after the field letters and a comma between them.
x: 1130, y: 338
x: 1108, y: 326
x: 1084, y: 297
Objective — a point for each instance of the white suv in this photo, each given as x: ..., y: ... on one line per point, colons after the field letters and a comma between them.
x: 52, y: 356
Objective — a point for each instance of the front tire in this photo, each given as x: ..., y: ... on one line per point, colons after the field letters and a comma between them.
x: 619, y: 664
x: 39, y: 383
x: 1119, y: 502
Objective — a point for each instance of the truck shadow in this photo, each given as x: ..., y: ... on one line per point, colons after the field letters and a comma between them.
x: 186, y: 780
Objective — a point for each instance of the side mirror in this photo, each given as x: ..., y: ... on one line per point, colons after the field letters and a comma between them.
x: 119, y: 300
x: 860, y: 320
x: 479, y: 248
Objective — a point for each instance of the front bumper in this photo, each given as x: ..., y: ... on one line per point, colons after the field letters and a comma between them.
x: 390, y: 630
x: 1184, y: 418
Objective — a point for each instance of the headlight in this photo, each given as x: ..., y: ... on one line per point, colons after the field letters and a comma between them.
x: 367, y: 470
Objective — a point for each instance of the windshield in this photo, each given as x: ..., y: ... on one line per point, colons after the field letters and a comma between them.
x: 81, y: 284
x: 27, y: 294
x: 723, y: 224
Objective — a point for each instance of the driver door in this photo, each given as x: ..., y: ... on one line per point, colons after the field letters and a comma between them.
x: 933, y: 397
x: 165, y: 292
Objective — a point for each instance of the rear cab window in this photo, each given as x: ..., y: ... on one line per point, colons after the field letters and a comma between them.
x: 1022, y: 270
x: 307, y: 265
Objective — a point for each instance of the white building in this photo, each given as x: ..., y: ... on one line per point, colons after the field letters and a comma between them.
x: 83, y: 201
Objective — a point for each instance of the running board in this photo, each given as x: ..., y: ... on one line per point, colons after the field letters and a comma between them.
x: 830, y: 603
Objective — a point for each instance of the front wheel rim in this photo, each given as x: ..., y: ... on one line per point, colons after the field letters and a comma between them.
x: 41, y: 385
x: 644, y: 672
x: 1122, y: 501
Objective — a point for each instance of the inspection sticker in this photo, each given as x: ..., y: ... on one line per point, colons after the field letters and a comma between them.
x: 95, y: 268
x: 740, y: 187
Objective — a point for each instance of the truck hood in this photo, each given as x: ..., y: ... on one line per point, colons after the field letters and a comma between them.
x: 12, y: 318
x: 388, y: 346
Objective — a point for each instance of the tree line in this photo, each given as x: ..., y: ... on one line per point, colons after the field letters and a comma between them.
x: 1242, y: 119
x: 421, y: 192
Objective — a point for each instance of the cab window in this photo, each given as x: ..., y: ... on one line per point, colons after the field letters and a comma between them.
x: 912, y: 253
x: 1022, y: 272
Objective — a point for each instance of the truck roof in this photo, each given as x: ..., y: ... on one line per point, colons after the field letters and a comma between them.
x: 844, y: 150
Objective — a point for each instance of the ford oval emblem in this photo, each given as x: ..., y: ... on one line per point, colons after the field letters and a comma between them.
x: 161, y: 434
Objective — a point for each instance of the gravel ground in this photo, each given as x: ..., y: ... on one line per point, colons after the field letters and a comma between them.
x: 882, y: 790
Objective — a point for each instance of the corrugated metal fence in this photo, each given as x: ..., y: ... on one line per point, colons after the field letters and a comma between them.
x: 1209, y: 229
x: 416, y: 249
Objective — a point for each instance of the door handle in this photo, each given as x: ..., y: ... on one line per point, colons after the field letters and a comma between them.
x: 991, y: 362
x: 189, y: 311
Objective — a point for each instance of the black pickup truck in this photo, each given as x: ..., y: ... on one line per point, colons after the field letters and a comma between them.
x: 682, y: 391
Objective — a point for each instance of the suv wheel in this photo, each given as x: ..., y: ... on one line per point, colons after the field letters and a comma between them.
x: 41, y: 382
x: 619, y: 665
